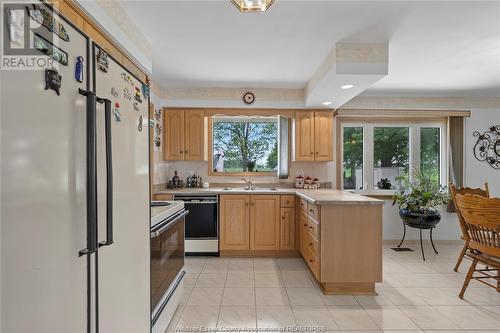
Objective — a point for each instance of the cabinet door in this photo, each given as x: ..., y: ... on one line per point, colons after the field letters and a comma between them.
x: 304, y: 136
x: 323, y: 136
x: 173, y: 134
x: 287, y: 229
x: 303, y: 230
x: 194, y: 138
x: 264, y: 222
x: 234, y: 222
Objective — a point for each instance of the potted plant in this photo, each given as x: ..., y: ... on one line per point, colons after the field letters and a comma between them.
x: 384, y: 184
x: 418, y: 200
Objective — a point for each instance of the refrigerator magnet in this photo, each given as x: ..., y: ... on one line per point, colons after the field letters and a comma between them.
x: 102, y: 61
x: 79, y: 69
x: 139, y: 126
x: 116, y: 112
x: 137, y: 95
x: 136, y: 107
x: 114, y: 93
x: 145, y: 91
x: 50, y: 50
x: 45, y: 18
x: 127, y: 94
x: 127, y: 78
x: 52, y: 80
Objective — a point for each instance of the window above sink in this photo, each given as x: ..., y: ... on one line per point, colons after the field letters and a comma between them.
x: 244, y: 145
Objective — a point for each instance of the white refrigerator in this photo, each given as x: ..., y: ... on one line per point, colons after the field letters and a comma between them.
x: 75, y: 216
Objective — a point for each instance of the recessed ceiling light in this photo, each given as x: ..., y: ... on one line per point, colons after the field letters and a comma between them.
x: 252, y: 5
x: 347, y: 86
x: 327, y: 103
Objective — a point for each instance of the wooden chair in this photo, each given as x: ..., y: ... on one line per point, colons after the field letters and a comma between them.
x: 465, y: 236
x: 482, y: 219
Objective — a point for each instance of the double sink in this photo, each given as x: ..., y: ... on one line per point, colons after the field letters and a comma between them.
x: 250, y: 189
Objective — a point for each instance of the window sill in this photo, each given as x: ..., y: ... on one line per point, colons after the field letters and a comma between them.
x: 376, y: 193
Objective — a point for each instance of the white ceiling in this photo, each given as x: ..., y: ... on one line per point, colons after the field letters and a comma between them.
x: 435, y: 47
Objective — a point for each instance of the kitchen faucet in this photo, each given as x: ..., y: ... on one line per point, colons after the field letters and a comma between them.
x: 249, y: 183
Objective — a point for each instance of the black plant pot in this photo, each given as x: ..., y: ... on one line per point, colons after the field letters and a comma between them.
x: 420, y: 220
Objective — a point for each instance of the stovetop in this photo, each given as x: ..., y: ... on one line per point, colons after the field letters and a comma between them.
x: 160, y: 212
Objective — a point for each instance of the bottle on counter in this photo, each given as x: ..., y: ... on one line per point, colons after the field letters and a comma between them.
x: 175, y: 179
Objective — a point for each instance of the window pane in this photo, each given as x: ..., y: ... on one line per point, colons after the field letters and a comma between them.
x: 245, y: 144
x: 391, y: 156
x: 430, y: 139
x: 353, y: 158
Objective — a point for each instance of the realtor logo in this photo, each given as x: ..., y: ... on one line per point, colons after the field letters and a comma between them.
x: 26, y: 44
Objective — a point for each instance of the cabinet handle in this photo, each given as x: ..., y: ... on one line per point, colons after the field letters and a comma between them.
x: 185, y: 151
x: 305, y: 225
x: 311, y: 210
x: 282, y: 217
x: 182, y: 152
x: 310, y: 227
x: 310, y: 260
x: 246, y: 204
x: 310, y: 244
x: 312, y: 153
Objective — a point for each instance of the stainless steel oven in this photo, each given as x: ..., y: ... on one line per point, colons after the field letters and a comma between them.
x: 167, y: 259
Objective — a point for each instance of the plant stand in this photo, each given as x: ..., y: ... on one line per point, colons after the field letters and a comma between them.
x: 420, y: 227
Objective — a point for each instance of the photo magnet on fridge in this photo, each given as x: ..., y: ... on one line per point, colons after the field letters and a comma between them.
x: 136, y: 107
x: 114, y: 93
x: 137, y: 95
x: 49, y: 49
x: 45, y: 18
x: 79, y: 69
x: 102, y: 60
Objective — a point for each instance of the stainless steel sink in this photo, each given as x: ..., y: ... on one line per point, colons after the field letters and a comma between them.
x: 250, y: 189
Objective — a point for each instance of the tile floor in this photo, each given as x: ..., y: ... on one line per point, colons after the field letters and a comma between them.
x: 229, y: 294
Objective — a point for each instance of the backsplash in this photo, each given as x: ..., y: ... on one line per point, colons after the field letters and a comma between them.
x: 164, y: 171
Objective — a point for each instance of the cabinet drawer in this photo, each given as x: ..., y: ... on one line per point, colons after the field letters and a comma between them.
x: 288, y: 201
x: 303, y: 205
x: 162, y: 197
x: 313, y: 227
x: 313, y: 263
x: 313, y: 210
x: 313, y: 244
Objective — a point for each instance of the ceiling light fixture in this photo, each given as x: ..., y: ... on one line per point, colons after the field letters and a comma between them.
x: 327, y: 103
x: 252, y: 5
x: 347, y: 86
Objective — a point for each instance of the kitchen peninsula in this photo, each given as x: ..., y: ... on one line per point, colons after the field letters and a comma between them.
x: 337, y: 233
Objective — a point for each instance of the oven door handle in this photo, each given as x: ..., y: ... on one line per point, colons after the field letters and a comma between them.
x: 167, y: 224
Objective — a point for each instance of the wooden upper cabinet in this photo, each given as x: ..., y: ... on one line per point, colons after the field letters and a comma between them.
x: 193, y: 134
x: 183, y: 134
x: 234, y: 222
x: 264, y: 222
x: 313, y: 136
x: 304, y: 136
x: 173, y: 134
x: 323, y: 136
x: 287, y: 229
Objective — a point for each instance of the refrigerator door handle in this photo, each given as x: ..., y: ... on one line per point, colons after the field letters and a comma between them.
x: 109, y: 173
x: 91, y: 173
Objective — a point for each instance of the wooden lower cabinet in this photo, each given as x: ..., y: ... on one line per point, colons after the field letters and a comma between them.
x: 287, y: 229
x: 257, y: 223
x: 234, y: 222
x: 264, y: 222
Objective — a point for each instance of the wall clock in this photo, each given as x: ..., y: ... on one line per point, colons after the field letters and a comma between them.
x: 248, y: 98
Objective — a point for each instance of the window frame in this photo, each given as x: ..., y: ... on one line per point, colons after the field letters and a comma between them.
x: 414, y: 126
x: 235, y: 174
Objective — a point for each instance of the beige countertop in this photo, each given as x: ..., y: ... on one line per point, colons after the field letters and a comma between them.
x: 319, y: 196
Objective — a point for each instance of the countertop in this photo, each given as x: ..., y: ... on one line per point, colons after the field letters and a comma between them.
x: 318, y: 196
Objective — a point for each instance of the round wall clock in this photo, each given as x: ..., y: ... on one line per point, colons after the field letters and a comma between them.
x: 248, y: 98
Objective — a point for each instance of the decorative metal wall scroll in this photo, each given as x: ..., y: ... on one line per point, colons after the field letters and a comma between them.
x: 487, y: 147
